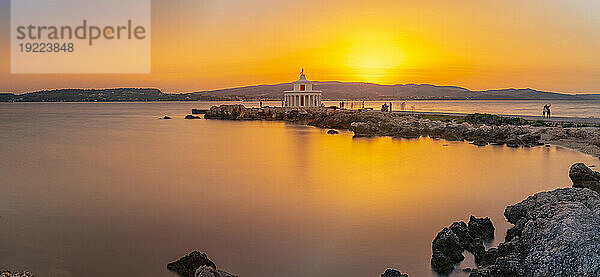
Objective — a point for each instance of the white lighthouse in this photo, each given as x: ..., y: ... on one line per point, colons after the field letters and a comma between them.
x: 302, y: 95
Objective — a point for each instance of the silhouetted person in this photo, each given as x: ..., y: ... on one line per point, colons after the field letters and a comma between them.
x: 544, y: 111
x: 548, y: 111
x: 260, y: 104
x: 390, y: 107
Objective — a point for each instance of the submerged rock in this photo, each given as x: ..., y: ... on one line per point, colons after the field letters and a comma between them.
x: 332, y: 132
x: 556, y: 233
x: 166, y: 117
x: 189, y: 116
x: 583, y: 177
x: 187, y: 265
x: 393, y: 273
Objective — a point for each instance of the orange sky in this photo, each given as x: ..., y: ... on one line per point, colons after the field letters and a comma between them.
x: 208, y: 44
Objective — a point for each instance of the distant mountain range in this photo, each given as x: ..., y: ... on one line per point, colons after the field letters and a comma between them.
x: 331, y: 91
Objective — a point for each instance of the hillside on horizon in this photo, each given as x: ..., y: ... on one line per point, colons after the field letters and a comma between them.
x: 332, y: 90
x: 336, y: 90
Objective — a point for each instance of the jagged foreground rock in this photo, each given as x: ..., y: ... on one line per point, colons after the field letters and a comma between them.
x: 556, y: 233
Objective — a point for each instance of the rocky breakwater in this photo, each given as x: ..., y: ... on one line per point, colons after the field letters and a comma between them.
x: 374, y: 123
x: 584, y: 139
x: 555, y: 233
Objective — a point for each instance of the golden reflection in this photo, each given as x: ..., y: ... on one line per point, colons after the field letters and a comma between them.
x: 277, y: 192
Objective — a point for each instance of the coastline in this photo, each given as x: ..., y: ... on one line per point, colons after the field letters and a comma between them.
x: 559, y: 138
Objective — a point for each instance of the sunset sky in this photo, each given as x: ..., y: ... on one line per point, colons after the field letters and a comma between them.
x: 209, y: 44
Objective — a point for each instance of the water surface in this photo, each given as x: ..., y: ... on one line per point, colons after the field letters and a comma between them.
x: 108, y: 189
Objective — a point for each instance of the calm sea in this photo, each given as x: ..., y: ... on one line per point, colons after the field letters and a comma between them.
x: 108, y: 189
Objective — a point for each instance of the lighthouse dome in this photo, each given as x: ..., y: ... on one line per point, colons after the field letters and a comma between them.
x: 302, y: 78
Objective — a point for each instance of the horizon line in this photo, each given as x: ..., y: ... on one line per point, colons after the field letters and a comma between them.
x: 285, y: 83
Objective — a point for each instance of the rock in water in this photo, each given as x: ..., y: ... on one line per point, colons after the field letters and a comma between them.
x: 441, y: 263
x: 166, y: 117
x: 189, y: 116
x: 481, y: 228
x: 556, y: 233
x: 393, y: 273
x: 333, y: 132
x: 447, y: 251
x: 467, y: 237
x: 583, y: 177
x: 187, y: 265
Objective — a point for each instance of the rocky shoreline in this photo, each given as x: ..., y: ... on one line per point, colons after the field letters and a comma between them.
x: 480, y: 129
x: 555, y: 233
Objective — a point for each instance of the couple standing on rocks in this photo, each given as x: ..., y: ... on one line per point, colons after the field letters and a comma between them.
x: 546, y: 111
